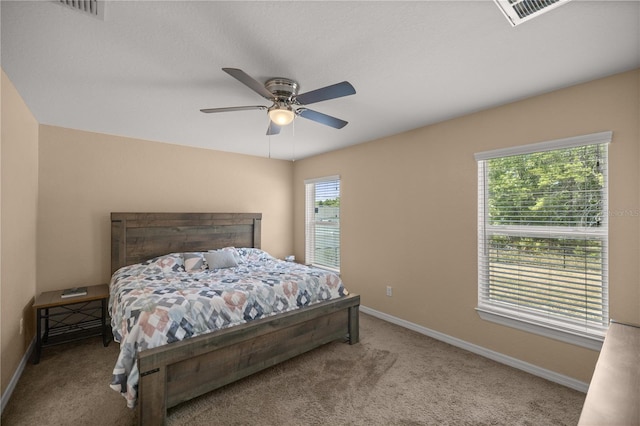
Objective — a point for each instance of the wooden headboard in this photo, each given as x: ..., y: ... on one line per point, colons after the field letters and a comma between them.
x: 136, y: 237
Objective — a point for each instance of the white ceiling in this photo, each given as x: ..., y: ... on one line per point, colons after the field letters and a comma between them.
x: 149, y: 67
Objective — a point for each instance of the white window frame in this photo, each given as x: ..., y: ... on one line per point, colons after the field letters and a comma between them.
x: 585, y: 335
x: 310, y: 222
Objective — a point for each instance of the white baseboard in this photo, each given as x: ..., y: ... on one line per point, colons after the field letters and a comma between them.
x: 16, y: 376
x: 479, y: 350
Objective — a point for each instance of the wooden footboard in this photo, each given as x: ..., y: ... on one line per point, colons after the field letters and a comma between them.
x: 183, y: 370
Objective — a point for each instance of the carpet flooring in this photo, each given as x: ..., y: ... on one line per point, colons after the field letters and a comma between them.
x: 394, y: 376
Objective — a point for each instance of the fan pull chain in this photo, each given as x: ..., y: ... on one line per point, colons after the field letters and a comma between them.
x: 293, y: 141
x: 269, y: 136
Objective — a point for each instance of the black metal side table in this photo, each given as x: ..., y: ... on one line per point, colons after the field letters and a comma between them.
x: 71, y: 318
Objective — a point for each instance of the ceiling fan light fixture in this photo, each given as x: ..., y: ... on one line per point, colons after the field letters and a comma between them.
x: 287, y: 104
x: 281, y: 115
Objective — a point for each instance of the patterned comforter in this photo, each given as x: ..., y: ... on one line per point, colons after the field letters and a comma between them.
x: 157, y: 302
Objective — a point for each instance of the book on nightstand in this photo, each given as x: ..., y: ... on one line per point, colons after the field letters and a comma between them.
x: 73, y: 292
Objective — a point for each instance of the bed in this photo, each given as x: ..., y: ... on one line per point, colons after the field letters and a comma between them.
x: 186, y: 368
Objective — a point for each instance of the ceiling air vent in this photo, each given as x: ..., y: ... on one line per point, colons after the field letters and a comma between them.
x: 519, y: 11
x: 94, y: 8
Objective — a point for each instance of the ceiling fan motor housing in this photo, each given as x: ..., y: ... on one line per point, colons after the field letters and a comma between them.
x: 283, y: 89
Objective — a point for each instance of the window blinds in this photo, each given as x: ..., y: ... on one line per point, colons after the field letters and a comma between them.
x: 322, y: 217
x: 542, y: 234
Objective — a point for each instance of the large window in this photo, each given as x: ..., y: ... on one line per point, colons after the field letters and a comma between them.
x: 542, y: 238
x: 322, y: 219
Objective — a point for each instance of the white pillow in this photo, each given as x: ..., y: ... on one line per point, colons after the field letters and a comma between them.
x: 193, y: 262
x: 220, y: 259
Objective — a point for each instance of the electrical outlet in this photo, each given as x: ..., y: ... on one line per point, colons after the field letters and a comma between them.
x: 389, y: 290
x: 21, y: 325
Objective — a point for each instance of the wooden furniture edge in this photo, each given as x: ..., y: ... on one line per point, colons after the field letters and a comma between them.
x: 54, y: 298
x: 614, y: 390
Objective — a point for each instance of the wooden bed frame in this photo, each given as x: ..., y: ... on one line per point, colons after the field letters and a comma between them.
x: 183, y: 370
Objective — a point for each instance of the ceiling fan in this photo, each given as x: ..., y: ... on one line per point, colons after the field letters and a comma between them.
x: 287, y: 103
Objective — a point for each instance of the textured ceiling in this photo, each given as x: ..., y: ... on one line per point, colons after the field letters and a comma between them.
x: 149, y: 67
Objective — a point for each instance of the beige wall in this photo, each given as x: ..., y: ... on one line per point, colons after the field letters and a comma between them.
x: 409, y: 214
x: 86, y: 176
x: 19, y: 195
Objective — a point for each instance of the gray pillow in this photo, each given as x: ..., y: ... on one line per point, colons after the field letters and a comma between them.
x: 233, y: 250
x: 220, y: 259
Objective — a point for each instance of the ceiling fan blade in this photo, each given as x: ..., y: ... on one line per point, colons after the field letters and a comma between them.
x: 321, y: 118
x: 238, y: 108
x: 337, y: 90
x: 273, y: 129
x: 249, y: 81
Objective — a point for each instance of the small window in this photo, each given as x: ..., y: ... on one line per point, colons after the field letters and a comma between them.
x: 543, y: 238
x: 322, y: 219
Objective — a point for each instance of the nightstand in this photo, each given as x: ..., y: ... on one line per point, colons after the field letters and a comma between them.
x: 71, y: 318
